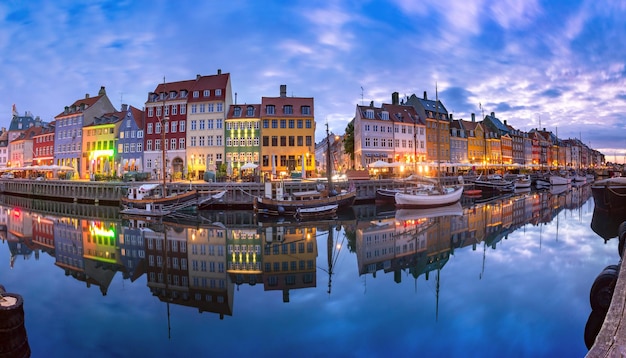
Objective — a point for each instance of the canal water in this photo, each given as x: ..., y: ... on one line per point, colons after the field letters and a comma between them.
x: 489, y: 278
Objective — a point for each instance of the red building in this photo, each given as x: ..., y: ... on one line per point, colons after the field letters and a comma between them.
x: 43, y: 146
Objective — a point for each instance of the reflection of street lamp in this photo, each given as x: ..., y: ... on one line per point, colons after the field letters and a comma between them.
x: 191, y: 172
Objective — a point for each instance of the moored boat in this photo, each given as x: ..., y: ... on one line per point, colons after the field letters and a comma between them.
x: 324, y: 211
x: 151, y: 200
x: 494, y: 184
x: 609, y: 194
x: 429, y: 198
x: 277, y: 202
x: 522, y: 181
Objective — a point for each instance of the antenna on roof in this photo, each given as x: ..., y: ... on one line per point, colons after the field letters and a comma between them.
x: 361, y: 95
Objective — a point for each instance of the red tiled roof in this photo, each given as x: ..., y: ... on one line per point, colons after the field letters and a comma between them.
x: 244, y: 111
x: 138, y: 115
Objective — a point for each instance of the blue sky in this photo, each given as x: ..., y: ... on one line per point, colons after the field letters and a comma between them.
x: 558, y: 65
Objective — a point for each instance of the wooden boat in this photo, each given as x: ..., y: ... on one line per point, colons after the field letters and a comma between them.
x: 149, y: 198
x: 275, y: 202
x: 609, y: 194
x: 317, y: 212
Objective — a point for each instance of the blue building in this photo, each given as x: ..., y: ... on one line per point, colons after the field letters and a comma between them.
x: 130, y: 141
x: 69, y: 126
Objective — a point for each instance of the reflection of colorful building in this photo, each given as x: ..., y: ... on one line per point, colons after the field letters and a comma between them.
x: 210, y: 288
x: 99, y: 155
x: 289, y: 258
x: 244, y: 255
x: 68, y: 247
x: 43, y: 233
x: 101, y: 252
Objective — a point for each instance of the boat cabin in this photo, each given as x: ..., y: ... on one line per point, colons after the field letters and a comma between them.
x: 142, y: 192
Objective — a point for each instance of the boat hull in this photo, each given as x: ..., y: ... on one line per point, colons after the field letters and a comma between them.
x: 425, y: 200
x: 494, y: 186
x: 290, y: 207
x: 609, y: 194
x: 167, y: 204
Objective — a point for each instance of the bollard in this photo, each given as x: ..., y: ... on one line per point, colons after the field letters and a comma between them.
x: 13, y: 339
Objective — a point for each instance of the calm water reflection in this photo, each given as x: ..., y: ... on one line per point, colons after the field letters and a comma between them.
x: 506, y: 277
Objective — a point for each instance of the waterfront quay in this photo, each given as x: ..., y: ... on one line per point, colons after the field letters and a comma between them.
x: 239, y: 194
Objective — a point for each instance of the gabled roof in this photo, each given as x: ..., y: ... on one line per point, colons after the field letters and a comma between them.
x: 80, y: 105
x: 138, y: 116
x: 28, y: 134
x: 495, y: 122
x: 402, y: 113
x: 107, y: 118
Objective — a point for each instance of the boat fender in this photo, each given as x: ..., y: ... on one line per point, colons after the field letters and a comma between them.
x: 621, y: 233
x: 602, y: 289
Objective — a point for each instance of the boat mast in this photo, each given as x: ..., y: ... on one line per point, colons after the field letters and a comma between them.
x: 437, y: 126
x: 329, y: 174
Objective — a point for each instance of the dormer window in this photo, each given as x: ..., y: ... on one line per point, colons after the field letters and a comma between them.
x: 288, y: 109
x: 369, y: 114
x: 250, y: 111
x: 306, y: 110
x: 237, y: 112
x: 384, y: 115
x: 183, y: 94
x: 207, y: 93
x: 218, y: 92
x: 173, y: 94
x: 270, y: 109
x: 196, y: 94
x: 162, y: 95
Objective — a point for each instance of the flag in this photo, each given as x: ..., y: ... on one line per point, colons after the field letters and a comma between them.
x: 14, y: 110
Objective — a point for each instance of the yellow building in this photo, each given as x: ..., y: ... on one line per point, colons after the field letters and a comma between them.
x: 99, y: 142
x: 287, y: 135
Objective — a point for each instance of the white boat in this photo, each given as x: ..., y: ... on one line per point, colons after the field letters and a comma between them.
x: 560, y: 180
x: 152, y: 200
x: 579, y: 178
x: 522, y: 181
x: 494, y: 183
x: 429, y: 198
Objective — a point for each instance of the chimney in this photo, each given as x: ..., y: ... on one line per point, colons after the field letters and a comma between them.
x: 505, y: 122
x: 198, y: 77
x: 102, y: 91
x: 493, y: 114
x: 473, y: 117
x: 395, y: 98
x: 219, y: 71
x: 283, y: 90
x: 425, y: 96
x: 67, y: 109
x: 86, y: 95
x: 124, y: 107
x: 451, y: 117
x: 372, y: 104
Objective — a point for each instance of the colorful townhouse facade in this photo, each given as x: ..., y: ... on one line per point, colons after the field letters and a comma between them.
x: 208, y: 105
x: 287, y: 135
x: 43, y: 146
x: 165, y: 132
x: 243, y: 138
x: 68, y: 132
x: 437, y: 122
x: 130, y: 140
x: 100, y: 157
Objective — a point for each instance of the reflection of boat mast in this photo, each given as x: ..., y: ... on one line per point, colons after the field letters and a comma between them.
x: 332, y: 253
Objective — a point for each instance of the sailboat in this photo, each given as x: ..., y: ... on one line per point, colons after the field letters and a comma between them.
x: 304, y: 204
x: 153, y: 199
x: 436, y: 196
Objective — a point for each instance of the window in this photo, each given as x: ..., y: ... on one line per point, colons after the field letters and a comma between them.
x: 210, y: 107
x: 220, y: 107
x: 194, y: 124
x: 183, y: 109
x: 270, y: 109
x: 292, y: 123
x: 308, y: 123
x: 202, y: 124
x: 288, y: 109
x: 218, y: 123
x: 193, y: 141
x: 149, y: 128
x: 182, y: 126
x: 158, y: 111
x: 283, y: 123
x: 274, y: 123
x: 206, y: 93
x: 306, y: 110
x: 309, y: 140
x: 218, y: 92
x: 201, y: 108
x: 174, y: 109
x: 283, y: 141
x: 181, y: 143
x: 149, y: 144
x: 150, y: 111
x: 250, y: 111
x: 167, y: 110
x: 157, y: 128
x: 196, y: 94
x: 274, y: 141
x: 194, y: 108
x: 237, y: 112
x: 174, y: 125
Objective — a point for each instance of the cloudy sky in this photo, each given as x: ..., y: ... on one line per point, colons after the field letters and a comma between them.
x: 558, y: 65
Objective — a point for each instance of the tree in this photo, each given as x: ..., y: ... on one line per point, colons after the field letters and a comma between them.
x: 348, y: 141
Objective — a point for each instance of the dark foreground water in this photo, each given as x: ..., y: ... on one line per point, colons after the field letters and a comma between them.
x: 508, y: 278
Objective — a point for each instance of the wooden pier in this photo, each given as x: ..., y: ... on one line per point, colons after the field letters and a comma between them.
x: 239, y: 194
